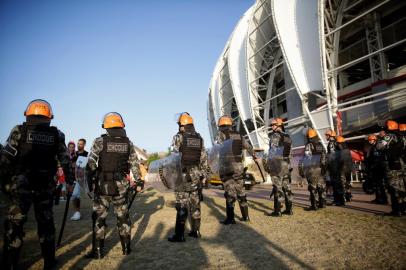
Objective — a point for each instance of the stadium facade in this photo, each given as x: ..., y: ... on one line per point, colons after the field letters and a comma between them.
x: 337, y: 64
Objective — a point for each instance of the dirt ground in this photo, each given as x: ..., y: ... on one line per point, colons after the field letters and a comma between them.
x: 327, y: 239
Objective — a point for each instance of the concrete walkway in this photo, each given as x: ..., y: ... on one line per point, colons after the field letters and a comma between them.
x: 361, y: 202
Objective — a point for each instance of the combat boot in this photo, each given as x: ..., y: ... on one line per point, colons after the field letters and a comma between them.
x: 48, y: 253
x: 179, y: 235
x: 395, y: 207
x: 244, y: 213
x: 288, y: 210
x: 322, y: 203
x: 195, y: 232
x: 277, y: 208
x: 313, y: 205
x: 97, y: 251
x: 125, y: 244
x: 10, y: 258
x: 230, y: 215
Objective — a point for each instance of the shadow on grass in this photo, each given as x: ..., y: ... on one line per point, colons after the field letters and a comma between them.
x: 241, y: 238
x: 157, y: 252
x: 140, y: 206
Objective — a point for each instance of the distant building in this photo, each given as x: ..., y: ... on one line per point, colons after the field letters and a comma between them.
x: 327, y: 64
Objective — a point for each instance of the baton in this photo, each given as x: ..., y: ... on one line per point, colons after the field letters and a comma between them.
x: 68, y: 196
x: 260, y: 171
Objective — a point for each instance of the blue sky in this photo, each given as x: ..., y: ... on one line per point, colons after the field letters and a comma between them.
x: 145, y: 59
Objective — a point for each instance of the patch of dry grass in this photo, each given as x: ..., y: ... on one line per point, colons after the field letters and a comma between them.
x: 328, y: 239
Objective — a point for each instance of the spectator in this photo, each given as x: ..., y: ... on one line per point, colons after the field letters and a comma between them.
x: 81, y: 152
x: 70, y: 181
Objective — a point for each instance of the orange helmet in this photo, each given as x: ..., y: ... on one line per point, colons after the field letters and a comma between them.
x: 372, y: 137
x: 330, y: 133
x: 392, y: 125
x: 402, y: 127
x: 225, y: 121
x: 39, y: 107
x: 185, y: 119
x: 340, y: 139
x: 277, y: 121
x: 113, y: 120
x: 311, y: 133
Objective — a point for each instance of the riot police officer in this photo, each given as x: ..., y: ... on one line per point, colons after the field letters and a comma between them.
x: 313, y: 166
x: 278, y: 167
x: 390, y: 143
x: 233, y: 181
x: 194, y: 167
x: 346, y: 164
x: 111, y: 158
x: 333, y: 169
x: 30, y: 157
x: 375, y: 171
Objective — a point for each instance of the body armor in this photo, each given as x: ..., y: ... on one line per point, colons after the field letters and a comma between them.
x: 113, y: 163
x: 237, y: 143
x: 37, y: 152
x: 191, y: 149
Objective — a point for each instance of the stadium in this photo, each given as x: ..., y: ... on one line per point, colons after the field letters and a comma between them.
x: 337, y: 64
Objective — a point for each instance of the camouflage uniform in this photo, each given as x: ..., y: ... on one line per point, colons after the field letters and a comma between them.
x: 391, y: 145
x: 278, y: 168
x: 313, y: 164
x: 27, y: 183
x: 234, y: 183
x: 187, y: 195
x: 118, y: 198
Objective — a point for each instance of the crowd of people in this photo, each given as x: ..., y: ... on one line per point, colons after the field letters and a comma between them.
x: 386, y: 166
x: 30, y: 180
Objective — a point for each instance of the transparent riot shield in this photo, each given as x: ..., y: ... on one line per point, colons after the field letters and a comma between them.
x: 166, y: 171
x: 345, y: 161
x: 311, y: 165
x: 229, y: 162
x: 80, y: 173
x: 276, y: 165
x: 213, y: 159
x: 333, y: 162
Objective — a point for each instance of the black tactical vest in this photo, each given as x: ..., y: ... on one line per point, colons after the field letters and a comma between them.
x: 287, y: 144
x: 237, y: 143
x: 113, y: 163
x: 317, y: 148
x: 37, y: 150
x: 332, y: 147
x: 191, y: 148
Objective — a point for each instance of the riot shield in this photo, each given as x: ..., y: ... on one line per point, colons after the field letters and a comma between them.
x: 166, y: 171
x: 80, y: 173
x: 345, y: 161
x: 333, y: 162
x: 275, y: 162
x: 311, y: 165
x: 213, y: 160
x: 229, y: 162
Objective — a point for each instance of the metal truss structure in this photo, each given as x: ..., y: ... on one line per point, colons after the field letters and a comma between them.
x: 337, y: 64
